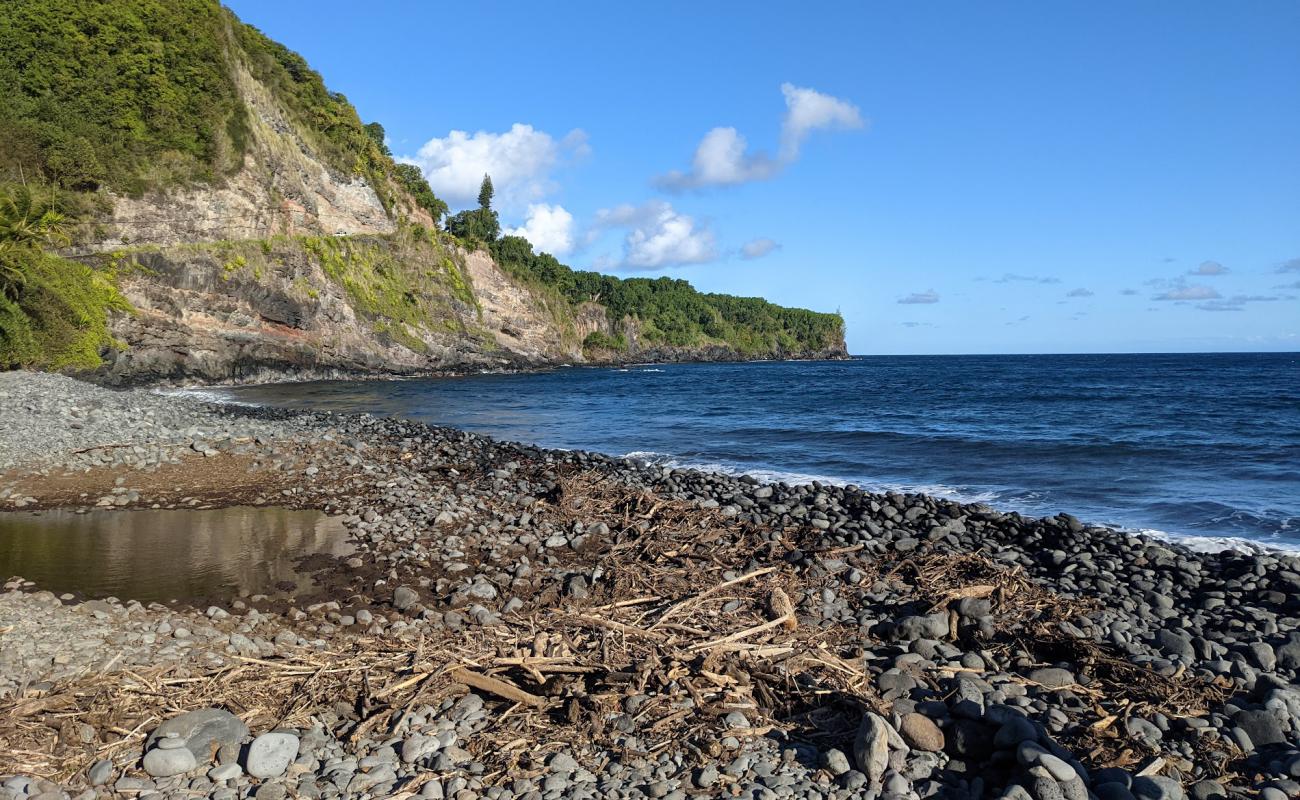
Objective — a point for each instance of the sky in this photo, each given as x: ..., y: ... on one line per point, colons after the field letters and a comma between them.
x: 1008, y: 177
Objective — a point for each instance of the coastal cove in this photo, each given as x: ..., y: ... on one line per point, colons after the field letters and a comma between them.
x: 815, y: 638
x: 1201, y: 447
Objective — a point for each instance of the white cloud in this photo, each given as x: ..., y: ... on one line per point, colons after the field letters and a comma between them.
x: 1209, y: 268
x: 808, y: 110
x: 920, y: 298
x: 757, y: 248
x: 1179, y: 293
x: 658, y: 236
x: 519, y: 160
x: 548, y: 227
x: 723, y: 158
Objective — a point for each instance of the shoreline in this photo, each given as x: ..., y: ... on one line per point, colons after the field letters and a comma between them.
x: 1198, y: 542
x: 926, y: 644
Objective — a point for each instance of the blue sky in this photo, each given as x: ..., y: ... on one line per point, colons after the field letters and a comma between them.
x: 953, y: 177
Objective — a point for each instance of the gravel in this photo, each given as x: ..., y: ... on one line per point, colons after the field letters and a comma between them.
x: 441, y: 550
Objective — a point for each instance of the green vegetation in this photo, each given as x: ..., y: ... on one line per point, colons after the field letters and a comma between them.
x: 136, y: 95
x: 598, y: 340
x: 671, y: 312
x: 130, y: 96
x: 53, y: 312
x: 125, y: 95
x: 480, y: 224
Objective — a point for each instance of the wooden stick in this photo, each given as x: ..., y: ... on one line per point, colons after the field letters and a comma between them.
x: 738, y: 635
x: 411, y: 681
x: 697, y: 598
x: 497, y: 687
x: 653, y: 636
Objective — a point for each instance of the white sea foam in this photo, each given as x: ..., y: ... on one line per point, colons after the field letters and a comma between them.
x: 208, y: 394
x: 1217, y: 544
x: 1199, y: 544
x: 798, y: 478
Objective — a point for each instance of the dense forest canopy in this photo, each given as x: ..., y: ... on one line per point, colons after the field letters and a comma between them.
x: 140, y: 95
x: 673, y: 312
x: 123, y: 97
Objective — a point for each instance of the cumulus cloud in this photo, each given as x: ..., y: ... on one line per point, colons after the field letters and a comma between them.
x: 807, y: 110
x: 658, y: 236
x: 920, y: 298
x: 1289, y: 266
x: 757, y: 248
x: 1079, y: 293
x: 548, y: 227
x: 519, y: 160
x: 1184, y: 293
x: 1011, y: 277
x: 1209, y: 268
x: 722, y: 157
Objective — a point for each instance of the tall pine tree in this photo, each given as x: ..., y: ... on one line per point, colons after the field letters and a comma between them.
x: 485, y: 193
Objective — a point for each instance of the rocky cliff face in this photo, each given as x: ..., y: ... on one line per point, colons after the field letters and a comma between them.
x: 283, y: 187
x: 287, y: 268
x: 302, y: 307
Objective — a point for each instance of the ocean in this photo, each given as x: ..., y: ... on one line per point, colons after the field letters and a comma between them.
x: 1202, y: 447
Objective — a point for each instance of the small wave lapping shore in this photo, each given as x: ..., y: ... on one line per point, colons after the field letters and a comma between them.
x: 523, y: 622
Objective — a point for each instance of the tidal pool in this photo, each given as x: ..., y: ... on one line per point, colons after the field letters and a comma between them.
x: 167, y: 555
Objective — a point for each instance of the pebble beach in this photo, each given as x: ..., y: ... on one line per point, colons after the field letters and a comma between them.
x: 516, y: 622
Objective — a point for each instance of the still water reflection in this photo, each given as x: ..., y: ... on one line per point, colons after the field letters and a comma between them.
x: 163, y: 555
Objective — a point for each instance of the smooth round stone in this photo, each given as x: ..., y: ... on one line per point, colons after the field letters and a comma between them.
x: 161, y: 763
x: 170, y: 744
x: 271, y: 754
x: 201, y: 730
x: 1157, y: 787
x: 100, y: 772
x: 225, y: 772
x: 1059, y: 768
x: 921, y: 733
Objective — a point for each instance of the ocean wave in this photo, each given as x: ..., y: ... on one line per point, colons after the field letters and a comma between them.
x: 209, y: 394
x: 965, y: 495
x: 969, y: 496
x: 1218, y: 544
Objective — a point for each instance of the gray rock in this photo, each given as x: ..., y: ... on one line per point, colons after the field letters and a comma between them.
x: 1053, y: 677
x: 160, y: 763
x: 271, y: 754
x: 1112, y: 791
x: 1175, y: 644
x: 203, y: 730
x: 100, y: 773
x: 1207, y: 790
x: 225, y: 772
x: 1060, y: 770
x: 404, y: 598
x: 933, y: 626
x: 1157, y: 787
x: 836, y: 762
x: 871, y: 747
x: 1262, y: 727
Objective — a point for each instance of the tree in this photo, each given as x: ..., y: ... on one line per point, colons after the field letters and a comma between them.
x: 476, y: 225
x: 485, y: 194
x: 31, y: 217
x: 413, y: 181
x: 376, y: 133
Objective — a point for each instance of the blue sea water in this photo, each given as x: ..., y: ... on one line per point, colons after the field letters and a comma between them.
x: 1204, y: 446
